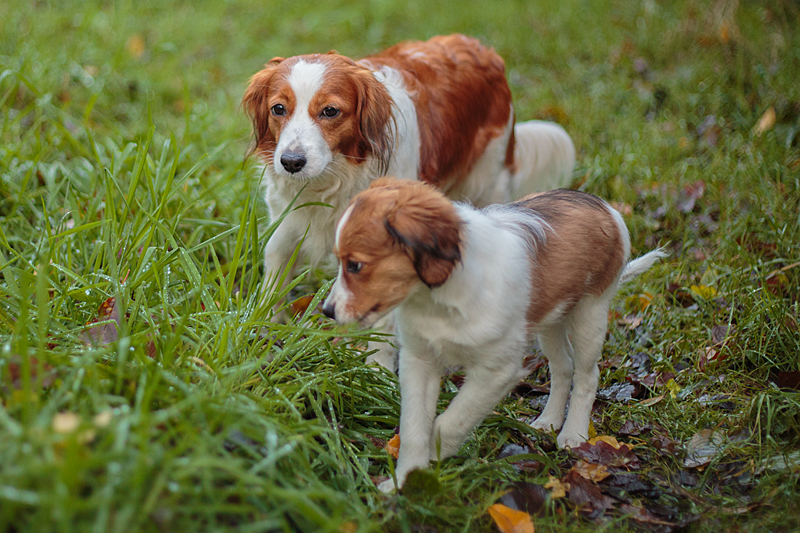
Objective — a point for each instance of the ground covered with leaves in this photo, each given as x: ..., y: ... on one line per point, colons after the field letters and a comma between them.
x: 144, y: 386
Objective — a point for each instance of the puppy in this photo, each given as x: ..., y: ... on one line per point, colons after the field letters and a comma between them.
x: 472, y: 288
x: 439, y: 111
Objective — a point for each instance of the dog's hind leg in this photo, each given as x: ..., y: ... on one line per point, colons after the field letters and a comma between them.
x: 557, y: 349
x: 588, y: 326
x: 544, y: 156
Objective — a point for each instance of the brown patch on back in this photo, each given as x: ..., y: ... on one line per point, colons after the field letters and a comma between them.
x: 402, y: 231
x: 462, y: 99
x: 583, y: 255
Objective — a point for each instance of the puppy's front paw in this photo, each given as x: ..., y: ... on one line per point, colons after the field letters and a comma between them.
x: 387, y: 487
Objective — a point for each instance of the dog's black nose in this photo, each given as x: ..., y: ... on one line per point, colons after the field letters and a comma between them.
x: 329, y: 310
x: 293, y: 162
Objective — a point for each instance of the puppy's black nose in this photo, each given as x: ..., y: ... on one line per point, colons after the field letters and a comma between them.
x: 293, y: 162
x: 329, y: 310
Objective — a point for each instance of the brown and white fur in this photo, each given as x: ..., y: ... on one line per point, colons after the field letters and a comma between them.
x: 472, y: 288
x: 439, y: 111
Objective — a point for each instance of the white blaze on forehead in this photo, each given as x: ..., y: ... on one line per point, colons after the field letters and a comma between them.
x: 305, y: 80
x: 342, y: 222
x: 302, y: 136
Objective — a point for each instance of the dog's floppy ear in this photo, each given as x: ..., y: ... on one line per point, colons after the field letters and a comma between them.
x: 374, y: 117
x: 430, y: 237
x: 255, y: 105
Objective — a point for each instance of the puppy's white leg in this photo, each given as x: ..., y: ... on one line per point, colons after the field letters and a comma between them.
x: 556, y: 348
x: 588, y: 325
x: 419, y: 390
x: 483, y: 388
x: 386, y: 356
x: 544, y: 156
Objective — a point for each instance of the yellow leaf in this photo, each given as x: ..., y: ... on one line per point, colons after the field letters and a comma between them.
x: 704, y: 291
x: 651, y: 401
x: 766, y: 122
x: 673, y: 388
x: 509, y: 520
x: 135, y: 45
x: 724, y: 33
x: 608, y: 439
x: 393, y: 446
x: 66, y: 422
x: 103, y: 419
x: 559, y: 489
x: 639, y: 302
x: 348, y: 527
x: 592, y: 431
x: 645, y: 300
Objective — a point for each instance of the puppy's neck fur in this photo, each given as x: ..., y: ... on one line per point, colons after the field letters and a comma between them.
x: 464, y: 309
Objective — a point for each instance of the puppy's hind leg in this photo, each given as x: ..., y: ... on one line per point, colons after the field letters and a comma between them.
x: 557, y: 349
x: 588, y: 326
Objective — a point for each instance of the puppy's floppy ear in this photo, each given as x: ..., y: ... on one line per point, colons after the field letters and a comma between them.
x: 255, y: 105
x: 430, y: 237
x: 374, y: 117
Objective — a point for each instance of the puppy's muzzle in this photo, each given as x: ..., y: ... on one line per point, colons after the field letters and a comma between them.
x: 329, y: 310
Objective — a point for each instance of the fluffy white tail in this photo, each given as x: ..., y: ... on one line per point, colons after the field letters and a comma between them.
x: 544, y: 156
x: 641, y: 264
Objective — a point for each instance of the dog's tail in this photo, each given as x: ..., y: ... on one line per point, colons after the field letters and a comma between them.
x: 641, y: 264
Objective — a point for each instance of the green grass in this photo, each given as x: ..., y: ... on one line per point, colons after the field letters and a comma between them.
x: 123, y: 174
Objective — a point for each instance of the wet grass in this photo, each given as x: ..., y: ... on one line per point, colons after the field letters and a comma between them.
x: 123, y: 175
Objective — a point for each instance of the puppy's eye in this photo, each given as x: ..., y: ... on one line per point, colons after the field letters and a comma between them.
x: 354, y: 267
x: 278, y: 110
x: 330, y: 112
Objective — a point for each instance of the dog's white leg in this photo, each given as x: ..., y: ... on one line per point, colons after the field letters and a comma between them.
x: 556, y: 348
x: 483, y: 388
x: 419, y: 390
x: 588, y: 325
x: 544, y: 156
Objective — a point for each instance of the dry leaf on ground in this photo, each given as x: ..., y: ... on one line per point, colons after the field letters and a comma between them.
x: 393, y: 446
x: 558, y: 489
x: 510, y: 521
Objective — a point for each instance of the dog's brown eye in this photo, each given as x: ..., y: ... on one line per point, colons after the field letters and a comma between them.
x: 278, y: 110
x: 330, y: 112
x: 354, y: 267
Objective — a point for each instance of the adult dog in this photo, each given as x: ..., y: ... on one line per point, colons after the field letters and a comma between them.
x: 440, y: 111
x: 472, y: 288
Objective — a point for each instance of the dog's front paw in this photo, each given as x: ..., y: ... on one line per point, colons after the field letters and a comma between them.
x: 387, y: 487
x: 548, y: 423
x: 569, y: 440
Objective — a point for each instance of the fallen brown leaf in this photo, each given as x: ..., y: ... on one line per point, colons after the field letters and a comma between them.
x: 527, y: 497
x: 300, y: 305
x: 702, y: 448
x: 510, y: 521
x: 393, y: 446
x: 591, y: 471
